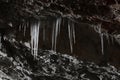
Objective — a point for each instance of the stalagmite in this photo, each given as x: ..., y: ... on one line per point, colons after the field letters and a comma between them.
x: 35, y: 38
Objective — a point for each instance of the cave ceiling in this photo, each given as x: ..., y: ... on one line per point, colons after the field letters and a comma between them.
x: 105, y: 12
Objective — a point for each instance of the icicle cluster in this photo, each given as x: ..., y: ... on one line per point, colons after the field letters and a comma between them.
x: 55, y: 32
x: 34, y: 33
x: 71, y: 33
x: 34, y: 38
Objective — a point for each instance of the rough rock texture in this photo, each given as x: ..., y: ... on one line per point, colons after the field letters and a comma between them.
x: 49, y: 65
x: 90, y: 11
x: 83, y: 12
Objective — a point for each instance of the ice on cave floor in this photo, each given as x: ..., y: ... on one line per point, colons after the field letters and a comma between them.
x: 55, y: 32
x: 34, y: 38
x: 71, y: 34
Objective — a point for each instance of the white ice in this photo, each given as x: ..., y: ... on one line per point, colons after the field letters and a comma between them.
x: 101, y: 37
x: 55, y: 32
x: 71, y: 34
x: 35, y: 38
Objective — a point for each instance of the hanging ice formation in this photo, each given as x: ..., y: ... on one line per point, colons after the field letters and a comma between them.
x: 101, y: 37
x: 55, y: 32
x: 34, y: 38
x: 71, y: 34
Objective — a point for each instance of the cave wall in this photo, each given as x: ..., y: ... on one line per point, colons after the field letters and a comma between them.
x: 84, y: 12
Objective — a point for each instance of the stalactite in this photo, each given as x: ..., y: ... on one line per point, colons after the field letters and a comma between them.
x: 35, y: 38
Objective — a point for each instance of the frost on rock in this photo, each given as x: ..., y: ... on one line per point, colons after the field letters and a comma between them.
x: 34, y: 37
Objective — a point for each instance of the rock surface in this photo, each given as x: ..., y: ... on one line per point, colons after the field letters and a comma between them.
x: 50, y: 65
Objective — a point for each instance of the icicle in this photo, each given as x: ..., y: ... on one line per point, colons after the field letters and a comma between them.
x: 55, y: 32
x: 73, y: 31
x: 102, y: 43
x: 101, y: 37
x: 70, y: 36
x: 35, y: 38
x: 53, y: 35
